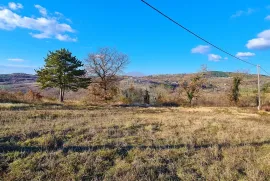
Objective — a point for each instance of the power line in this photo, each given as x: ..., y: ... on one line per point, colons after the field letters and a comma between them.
x: 196, y: 34
x: 265, y: 71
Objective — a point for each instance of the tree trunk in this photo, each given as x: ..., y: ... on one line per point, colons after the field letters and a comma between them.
x: 190, y: 102
x: 61, y: 96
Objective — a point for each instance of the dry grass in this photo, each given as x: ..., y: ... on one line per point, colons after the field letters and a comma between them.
x: 134, y: 144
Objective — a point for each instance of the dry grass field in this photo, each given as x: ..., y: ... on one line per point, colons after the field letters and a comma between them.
x: 110, y: 143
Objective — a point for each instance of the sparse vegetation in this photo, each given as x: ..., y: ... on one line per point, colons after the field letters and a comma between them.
x: 41, y: 139
x: 134, y: 144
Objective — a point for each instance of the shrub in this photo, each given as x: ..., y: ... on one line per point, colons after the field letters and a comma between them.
x: 8, y: 97
x: 20, y: 97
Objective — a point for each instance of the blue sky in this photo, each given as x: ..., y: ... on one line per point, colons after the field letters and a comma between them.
x: 29, y: 29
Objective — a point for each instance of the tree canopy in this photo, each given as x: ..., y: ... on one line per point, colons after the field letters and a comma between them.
x: 63, y: 71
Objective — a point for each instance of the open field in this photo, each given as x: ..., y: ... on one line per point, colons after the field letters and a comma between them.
x: 110, y: 143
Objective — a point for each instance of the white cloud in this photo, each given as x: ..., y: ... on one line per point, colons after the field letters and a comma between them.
x: 258, y: 43
x: 262, y: 42
x: 214, y: 58
x: 249, y: 11
x: 42, y: 27
x: 61, y: 16
x: 267, y: 17
x: 225, y: 58
x: 42, y: 10
x: 16, y: 60
x: 245, y: 54
x: 58, y: 13
x: 201, y: 49
x: 265, y: 34
x: 15, y: 6
x: 65, y: 38
x: 18, y: 66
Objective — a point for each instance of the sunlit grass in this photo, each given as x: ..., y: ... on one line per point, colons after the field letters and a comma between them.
x: 99, y: 143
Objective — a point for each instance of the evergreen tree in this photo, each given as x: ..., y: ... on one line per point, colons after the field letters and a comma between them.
x: 235, y: 91
x: 63, y: 71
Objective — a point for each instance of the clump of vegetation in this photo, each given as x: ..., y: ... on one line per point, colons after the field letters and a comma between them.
x: 266, y: 88
x: 132, y: 95
x: 192, y: 87
x: 234, y: 93
x: 19, y: 97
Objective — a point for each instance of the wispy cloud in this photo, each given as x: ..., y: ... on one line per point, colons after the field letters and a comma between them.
x: 247, y: 12
x: 16, y: 60
x: 42, y: 10
x: 201, y: 49
x: 262, y: 42
x: 60, y: 16
x: 44, y: 27
x: 245, y: 55
x: 65, y: 38
x: 15, y: 6
x: 204, y: 49
x: 267, y: 17
x: 18, y: 66
x: 214, y: 57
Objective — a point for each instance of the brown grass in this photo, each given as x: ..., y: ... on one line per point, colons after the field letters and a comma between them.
x: 134, y: 144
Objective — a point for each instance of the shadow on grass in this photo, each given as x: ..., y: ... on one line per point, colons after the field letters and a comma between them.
x: 167, y: 104
x: 4, y: 148
x: 48, y: 106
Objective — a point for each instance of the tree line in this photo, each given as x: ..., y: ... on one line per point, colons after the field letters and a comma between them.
x: 66, y: 72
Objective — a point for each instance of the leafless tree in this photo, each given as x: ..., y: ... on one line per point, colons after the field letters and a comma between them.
x: 106, y: 64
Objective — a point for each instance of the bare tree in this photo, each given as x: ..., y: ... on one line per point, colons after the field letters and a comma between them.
x: 106, y: 64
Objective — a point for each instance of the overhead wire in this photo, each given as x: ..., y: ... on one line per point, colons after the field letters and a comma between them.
x: 201, y: 38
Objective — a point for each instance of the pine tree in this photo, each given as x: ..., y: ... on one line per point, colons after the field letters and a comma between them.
x: 63, y: 71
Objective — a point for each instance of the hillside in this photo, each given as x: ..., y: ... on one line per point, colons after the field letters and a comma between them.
x: 217, y: 84
x: 21, y: 78
x: 17, y: 78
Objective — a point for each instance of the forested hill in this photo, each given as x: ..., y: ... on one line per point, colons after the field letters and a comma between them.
x: 17, y: 78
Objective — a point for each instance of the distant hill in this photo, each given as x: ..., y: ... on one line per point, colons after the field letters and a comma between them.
x: 17, y: 78
x: 21, y: 78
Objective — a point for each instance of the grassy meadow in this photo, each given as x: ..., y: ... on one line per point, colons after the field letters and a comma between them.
x: 56, y: 142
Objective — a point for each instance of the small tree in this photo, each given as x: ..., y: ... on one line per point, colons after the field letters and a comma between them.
x: 192, y: 87
x: 146, y: 97
x: 106, y: 65
x: 63, y: 71
x: 234, y: 93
